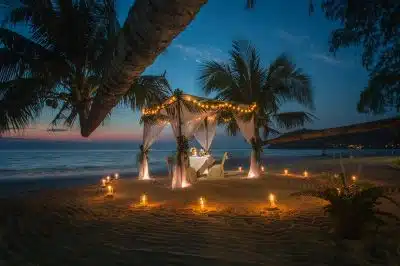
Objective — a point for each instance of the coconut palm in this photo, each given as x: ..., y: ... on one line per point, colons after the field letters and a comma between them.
x: 59, y: 59
x: 243, y: 79
x: 150, y: 28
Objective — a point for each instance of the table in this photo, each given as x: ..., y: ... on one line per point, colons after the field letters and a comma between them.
x: 198, y: 161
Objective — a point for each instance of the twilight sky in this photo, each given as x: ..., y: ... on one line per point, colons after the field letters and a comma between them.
x: 273, y: 27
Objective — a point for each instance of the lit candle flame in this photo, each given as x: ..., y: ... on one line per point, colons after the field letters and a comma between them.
x: 103, y: 182
x: 108, y: 178
x: 286, y: 171
x: 202, y: 203
x: 143, y: 200
x: 110, y: 190
x: 305, y: 174
x: 240, y: 169
x: 262, y: 168
x: 271, y: 198
x: 354, y: 178
x: 116, y: 175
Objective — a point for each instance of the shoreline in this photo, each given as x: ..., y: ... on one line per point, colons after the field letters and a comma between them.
x: 20, y: 186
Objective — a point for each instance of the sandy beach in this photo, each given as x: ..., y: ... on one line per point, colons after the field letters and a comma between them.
x: 79, y: 226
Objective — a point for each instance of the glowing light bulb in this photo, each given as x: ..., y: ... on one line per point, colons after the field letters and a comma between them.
x: 305, y: 174
x: 143, y: 200
x: 286, y: 171
x: 354, y: 178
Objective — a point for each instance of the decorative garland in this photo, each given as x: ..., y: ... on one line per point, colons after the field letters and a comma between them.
x: 183, y: 147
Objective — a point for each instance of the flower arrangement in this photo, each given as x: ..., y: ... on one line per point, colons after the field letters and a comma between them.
x: 193, y: 151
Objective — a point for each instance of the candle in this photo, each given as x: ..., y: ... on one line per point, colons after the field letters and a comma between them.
x: 116, y: 175
x: 202, y: 202
x: 262, y: 168
x: 305, y: 174
x: 286, y: 171
x: 110, y: 190
x: 143, y: 200
x: 240, y: 169
x: 354, y: 178
x: 271, y: 198
x: 108, y: 178
x: 103, y: 182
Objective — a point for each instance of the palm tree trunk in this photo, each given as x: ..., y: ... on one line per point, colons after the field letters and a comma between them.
x: 356, y: 128
x: 149, y: 29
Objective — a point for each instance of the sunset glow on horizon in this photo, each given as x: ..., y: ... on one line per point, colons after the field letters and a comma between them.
x: 41, y: 132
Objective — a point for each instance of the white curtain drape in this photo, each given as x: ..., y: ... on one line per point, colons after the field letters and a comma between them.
x: 190, y: 122
x: 150, y: 133
x: 206, y: 131
x: 247, y: 128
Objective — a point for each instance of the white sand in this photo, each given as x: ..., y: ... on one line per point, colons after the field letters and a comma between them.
x: 81, y: 227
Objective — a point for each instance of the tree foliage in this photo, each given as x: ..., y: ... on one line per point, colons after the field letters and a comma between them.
x: 374, y: 26
x: 353, y: 208
x: 243, y: 79
x: 56, y: 54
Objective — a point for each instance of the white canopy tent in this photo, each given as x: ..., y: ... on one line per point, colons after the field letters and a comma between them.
x: 192, y: 116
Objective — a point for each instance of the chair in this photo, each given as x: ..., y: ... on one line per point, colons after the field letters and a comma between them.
x: 191, y: 175
x: 210, y: 161
x: 217, y: 170
x: 170, y: 164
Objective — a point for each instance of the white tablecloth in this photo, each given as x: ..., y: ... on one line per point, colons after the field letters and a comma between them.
x: 198, y: 161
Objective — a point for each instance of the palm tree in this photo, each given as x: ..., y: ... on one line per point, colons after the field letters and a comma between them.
x: 61, y: 61
x: 243, y: 79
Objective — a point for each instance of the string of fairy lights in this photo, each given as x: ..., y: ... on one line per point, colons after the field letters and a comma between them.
x: 202, y: 104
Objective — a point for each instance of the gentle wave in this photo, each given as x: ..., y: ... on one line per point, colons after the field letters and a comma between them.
x: 37, y: 163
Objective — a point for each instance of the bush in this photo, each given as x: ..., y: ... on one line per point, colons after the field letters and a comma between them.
x: 353, y: 209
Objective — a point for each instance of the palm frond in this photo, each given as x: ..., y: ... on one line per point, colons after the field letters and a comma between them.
x: 21, y: 101
x: 146, y: 91
x: 289, y: 83
x: 215, y: 76
x: 269, y: 131
x: 290, y: 120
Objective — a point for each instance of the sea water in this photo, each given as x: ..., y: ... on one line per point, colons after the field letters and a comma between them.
x: 33, y: 159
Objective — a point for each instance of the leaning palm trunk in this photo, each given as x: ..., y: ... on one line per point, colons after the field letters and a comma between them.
x: 149, y: 29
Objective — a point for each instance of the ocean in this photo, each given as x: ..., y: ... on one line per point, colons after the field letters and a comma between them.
x: 33, y: 160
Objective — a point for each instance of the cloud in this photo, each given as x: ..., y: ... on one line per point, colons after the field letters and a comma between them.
x: 295, y: 39
x: 200, y: 53
x: 326, y: 58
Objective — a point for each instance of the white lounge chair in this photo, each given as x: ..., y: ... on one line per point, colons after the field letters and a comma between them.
x: 191, y: 175
x: 203, y: 170
x: 217, y: 170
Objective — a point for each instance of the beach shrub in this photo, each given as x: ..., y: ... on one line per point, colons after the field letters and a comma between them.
x: 396, y: 162
x: 353, y: 208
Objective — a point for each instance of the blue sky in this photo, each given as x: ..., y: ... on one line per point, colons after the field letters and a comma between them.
x: 274, y: 27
